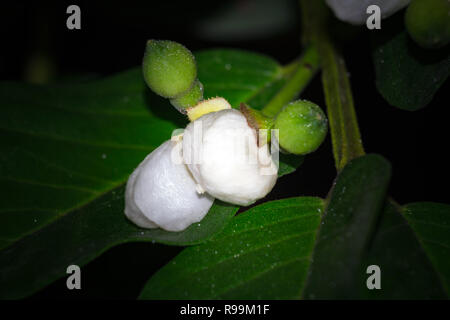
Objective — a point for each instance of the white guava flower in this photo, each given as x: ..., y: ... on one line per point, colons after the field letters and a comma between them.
x: 162, y: 193
x: 220, y: 149
x: 355, y: 11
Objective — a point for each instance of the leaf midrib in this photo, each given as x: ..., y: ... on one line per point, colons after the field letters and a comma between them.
x: 76, y: 141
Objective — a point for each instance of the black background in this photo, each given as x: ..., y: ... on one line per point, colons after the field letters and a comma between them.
x: 112, y: 39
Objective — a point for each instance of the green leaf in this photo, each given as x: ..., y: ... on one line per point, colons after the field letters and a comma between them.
x: 406, y: 264
x: 346, y: 228
x: 289, y: 163
x: 67, y: 150
x: 239, y: 76
x: 431, y: 224
x: 85, y: 233
x: 64, y: 146
x: 263, y: 253
x: 408, y: 76
x: 359, y: 229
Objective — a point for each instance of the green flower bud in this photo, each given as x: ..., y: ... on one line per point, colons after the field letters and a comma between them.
x: 190, y: 98
x: 302, y: 127
x: 169, y: 68
x: 428, y: 22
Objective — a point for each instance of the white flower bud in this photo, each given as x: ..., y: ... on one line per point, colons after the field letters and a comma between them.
x: 162, y: 193
x: 221, y: 152
x: 355, y: 11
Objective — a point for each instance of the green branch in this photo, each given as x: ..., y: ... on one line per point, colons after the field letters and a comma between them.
x: 345, y: 135
x: 305, y: 69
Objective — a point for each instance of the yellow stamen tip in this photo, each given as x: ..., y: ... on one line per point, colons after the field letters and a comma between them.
x: 207, y: 106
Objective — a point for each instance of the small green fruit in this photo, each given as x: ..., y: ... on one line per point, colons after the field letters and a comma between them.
x: 169, y: 68
x: 428, y: 22
x: 302, y: 127
x: 190, y: 98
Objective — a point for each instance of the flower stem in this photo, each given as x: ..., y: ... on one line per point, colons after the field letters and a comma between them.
x: 345, y: 135
x: 305, y: 69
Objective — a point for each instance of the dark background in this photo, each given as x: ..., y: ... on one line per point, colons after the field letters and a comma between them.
x: 112, y: 39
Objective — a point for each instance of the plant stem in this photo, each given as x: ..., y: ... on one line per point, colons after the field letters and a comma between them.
x: 305, y: 69
x: 289, y: 69
x: 345, y: 135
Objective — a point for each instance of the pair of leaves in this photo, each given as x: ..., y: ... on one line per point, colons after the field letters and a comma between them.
x: 407, y: 76
x: 66, y: 152
x: 294, y: 248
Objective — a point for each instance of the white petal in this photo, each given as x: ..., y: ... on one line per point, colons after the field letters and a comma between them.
x: 131, y: 210
x: 165, y: 192
x: 225, y: 160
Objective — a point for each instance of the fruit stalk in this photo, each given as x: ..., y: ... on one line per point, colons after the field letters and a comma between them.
x: 308, y: 65
x: 345, y: 135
